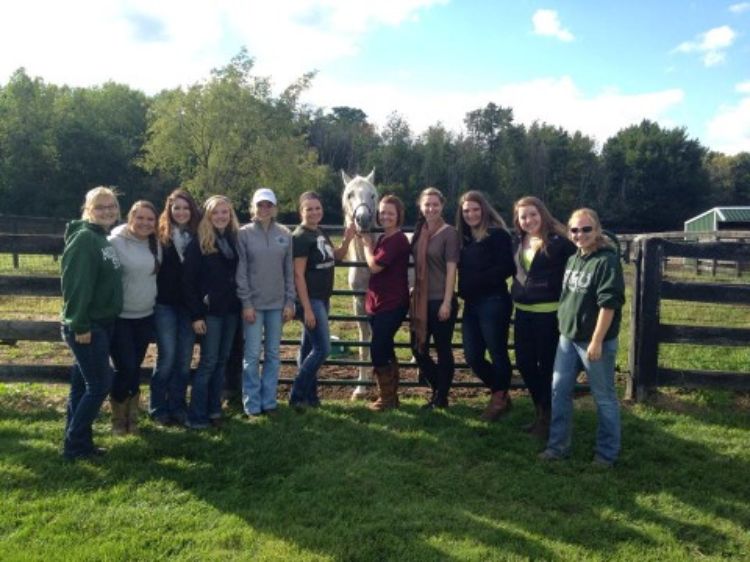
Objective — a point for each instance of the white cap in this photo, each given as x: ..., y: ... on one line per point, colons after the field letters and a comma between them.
x: 264, y: 194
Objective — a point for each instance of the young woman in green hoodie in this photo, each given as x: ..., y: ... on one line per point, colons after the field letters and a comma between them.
x: 92, y: 300
x: 589, y: 315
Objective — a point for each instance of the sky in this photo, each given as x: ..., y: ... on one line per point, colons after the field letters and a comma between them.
x: 595, y: 66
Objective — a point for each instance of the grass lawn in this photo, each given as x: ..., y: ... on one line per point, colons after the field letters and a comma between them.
x: 343, y: 483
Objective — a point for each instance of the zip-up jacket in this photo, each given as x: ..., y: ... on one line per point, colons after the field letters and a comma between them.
x: 265, y: 276
x: 208, y: 282
x: 90, y: 276
x: 138, y: 277
x: 591, y: 282
x: 485, y: 265
x: 169, y: 279
x: 542, y: 282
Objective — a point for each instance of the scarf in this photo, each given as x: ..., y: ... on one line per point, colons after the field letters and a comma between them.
x: 180, y: 239
x: 224, y: 246
x: 418, y: 301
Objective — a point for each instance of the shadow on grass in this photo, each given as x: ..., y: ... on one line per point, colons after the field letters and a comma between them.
x: 347, y: 483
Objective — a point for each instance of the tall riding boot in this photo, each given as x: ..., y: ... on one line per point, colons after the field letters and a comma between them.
x: 530, y: 427
x: 133, y: 412
x: 499, y: 405
x: 119, y: 416
x: 541, y: 430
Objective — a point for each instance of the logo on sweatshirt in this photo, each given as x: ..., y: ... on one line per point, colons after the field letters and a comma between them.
x: 283, y: 241
x: 109, y: 254
x: 577, y: 281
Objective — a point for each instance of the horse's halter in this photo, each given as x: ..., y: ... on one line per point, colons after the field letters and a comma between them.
x: 354, y: 215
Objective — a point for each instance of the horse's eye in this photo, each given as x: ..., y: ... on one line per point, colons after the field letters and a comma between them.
x: 351, y: 194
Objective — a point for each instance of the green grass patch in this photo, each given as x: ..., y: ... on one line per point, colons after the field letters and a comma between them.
x: 344, y: 483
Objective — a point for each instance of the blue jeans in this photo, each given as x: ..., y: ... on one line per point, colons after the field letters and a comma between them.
x: 485, y: 328
x: 174, y: 344
x: 313, y: 351
x: 90, y: 381
x: 259, y: 391
x: 208, y: 384
x: 384, y: 326
x: 128, y: 349
x: 601, y: 376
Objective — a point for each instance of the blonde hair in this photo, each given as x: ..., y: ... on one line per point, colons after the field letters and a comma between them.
x: 95, y: 195
x: 550, y: 225
x: 600, y: 240
x: 206, y: 232
x: 490, y: 217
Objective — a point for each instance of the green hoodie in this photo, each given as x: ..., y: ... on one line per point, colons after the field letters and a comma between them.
x: 591, y: 282
x: 91, y: 280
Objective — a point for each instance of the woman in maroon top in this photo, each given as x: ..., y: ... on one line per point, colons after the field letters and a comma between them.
x: 387, y: 298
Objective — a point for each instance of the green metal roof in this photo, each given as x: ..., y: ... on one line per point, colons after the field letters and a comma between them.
x: 705, y: 221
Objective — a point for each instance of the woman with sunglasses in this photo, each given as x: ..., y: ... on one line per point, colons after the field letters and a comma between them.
x: 589, y: 318
x: 542, y: 250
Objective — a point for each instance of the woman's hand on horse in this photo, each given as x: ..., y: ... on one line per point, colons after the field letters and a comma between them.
x: 349, y: 232
x: 248, y: 315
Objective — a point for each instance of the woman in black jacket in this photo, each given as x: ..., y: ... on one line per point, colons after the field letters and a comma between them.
x: 542, y: 250
x: 211, y: 298
x: 485, y: 265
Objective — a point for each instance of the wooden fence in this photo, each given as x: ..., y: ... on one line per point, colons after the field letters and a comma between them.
x: 647, y: 331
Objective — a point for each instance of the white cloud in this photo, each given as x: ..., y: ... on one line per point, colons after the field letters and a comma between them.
x: 743, y: 87
x: 729, y: 130
x: 546, y: 22
x: 740, y: 7
x: 711, y: 45
x: 556, y: 101
x: 153, y: 45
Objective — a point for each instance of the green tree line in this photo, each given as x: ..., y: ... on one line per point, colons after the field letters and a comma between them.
x: 231, y: 134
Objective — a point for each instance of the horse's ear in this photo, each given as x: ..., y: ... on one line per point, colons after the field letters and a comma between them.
x: 344, y: 177
x: 371, y: 177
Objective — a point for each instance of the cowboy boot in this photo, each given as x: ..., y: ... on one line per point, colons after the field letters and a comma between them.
x: 499, y: 405
x: 119, y: 417
x: 386, y: 390
x: 133, y: 412
x: 395, y: 378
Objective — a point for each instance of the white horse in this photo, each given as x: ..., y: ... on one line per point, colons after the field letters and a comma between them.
x: 360, y: 205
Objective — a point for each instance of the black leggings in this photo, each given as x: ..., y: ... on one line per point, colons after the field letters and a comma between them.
x: 439, y: 375
x: 535, y: 337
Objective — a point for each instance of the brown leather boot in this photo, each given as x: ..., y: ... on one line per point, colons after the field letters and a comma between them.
x: 119, y: 416
x: 133, y: 412
x: 395, y: 378
x: 386, y: 389
x: 499, y: 405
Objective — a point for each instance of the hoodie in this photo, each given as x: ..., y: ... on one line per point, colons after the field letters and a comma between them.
x: 591, y: 282
x: 138, y: 275
x: 90, y: 276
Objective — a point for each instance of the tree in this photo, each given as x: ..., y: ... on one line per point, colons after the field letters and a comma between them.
x: 230, y: 136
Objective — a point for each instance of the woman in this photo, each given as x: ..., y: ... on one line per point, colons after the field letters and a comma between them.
x: 92, y: 299
x: 485, y: 264
x: 210, y: 294
x: 314, y: 259
x: 265, y: 285
x: 387, y: 297
x: 589, y: 316
x: 433, y: 306
x: 542, y: 250
x: 140, y: 255
x: 178, y: 225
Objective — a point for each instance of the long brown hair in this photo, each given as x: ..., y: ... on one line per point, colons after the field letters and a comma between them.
x: 490, y: 217
x: 166, y: 220
x: 550, y: 225
x: 153, y: 242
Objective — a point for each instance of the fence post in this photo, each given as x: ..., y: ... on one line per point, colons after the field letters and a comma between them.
x: 631, y: 388
x: 647, y: 353
x: 16, y: 264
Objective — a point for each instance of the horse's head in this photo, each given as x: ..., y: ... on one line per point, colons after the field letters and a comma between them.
x: 360, y: 201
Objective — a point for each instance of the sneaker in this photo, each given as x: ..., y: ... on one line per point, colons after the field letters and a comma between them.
x: 600, y: 462
x: 549, y: 455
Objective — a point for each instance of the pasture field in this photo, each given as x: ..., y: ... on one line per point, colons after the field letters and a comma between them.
x: 344, y: 483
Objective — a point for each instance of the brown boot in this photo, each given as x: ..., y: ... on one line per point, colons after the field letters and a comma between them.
x: 395, y: 378
x: 386, y: 389
x: 541, y: 429
x: 530, y: 427
x: 499, y: 405
x: 119, y: 417
x: 133, y: 412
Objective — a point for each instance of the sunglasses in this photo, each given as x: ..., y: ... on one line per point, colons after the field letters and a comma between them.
x: 584, y: 229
